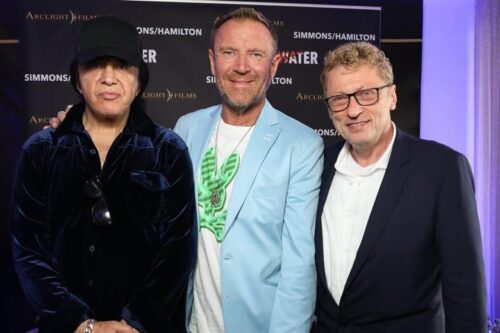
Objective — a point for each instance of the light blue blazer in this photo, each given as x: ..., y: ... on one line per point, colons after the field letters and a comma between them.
x: 268, y: 276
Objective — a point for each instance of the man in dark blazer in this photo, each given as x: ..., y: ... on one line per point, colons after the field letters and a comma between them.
x: 398, y: 245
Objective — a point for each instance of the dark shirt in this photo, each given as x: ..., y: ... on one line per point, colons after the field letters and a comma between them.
x: 136, y: 269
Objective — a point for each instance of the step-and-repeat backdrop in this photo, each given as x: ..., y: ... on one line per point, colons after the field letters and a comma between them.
x: 176, y: 37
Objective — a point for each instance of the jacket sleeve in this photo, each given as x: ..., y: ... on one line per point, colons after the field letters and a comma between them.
x: 459, y: 246
x: 159, y: 303
x: 36, y: 268
x: 182, y: 128
x: 296, y: 293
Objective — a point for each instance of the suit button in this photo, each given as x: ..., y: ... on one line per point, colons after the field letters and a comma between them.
x: 343, y: 322
x: 90, y: 283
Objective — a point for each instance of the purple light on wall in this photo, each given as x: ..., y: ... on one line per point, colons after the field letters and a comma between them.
x: 447, y: 92
x: 448, y: 105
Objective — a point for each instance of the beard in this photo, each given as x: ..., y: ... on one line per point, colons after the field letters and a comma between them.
x: 241, y: 108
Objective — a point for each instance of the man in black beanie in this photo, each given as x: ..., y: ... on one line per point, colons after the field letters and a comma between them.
x: 104, y: 220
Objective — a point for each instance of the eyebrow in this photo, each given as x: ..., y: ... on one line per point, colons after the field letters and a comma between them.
x: 352, y: 92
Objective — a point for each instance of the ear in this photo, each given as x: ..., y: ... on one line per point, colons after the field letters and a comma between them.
x: 211, y: 58
x: 78, y: 87
x: 330, y: 115
x: 394, y: 97
x: 275, y: 63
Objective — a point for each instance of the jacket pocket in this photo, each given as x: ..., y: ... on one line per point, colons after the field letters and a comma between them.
x: 146, y: 195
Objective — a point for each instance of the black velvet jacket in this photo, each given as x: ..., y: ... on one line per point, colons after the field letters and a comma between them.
x: 136, y: 269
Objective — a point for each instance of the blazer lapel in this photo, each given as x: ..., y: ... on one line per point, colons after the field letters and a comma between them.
x: 201, y: 139
x: 331, y: 154
x: 264, y: 135
x: 390, y: 189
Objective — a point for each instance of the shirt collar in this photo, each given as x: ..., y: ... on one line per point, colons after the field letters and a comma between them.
x: 137, y: 121
x: 347, y: 165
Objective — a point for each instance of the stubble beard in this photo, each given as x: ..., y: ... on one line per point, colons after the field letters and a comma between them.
x: 240, y: 108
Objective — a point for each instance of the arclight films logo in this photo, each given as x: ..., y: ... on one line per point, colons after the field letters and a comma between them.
x: 169, y: 95
x: 39, y: 120
x: 70, y: 16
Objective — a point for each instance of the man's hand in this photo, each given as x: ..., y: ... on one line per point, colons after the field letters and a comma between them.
x: 54, y: 122
x: 109, y: 326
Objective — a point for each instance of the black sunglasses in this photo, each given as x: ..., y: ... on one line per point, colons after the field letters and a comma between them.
x: 100, y: 211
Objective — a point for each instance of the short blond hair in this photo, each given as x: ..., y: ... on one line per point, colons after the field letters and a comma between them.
x: 241, y: 14
x: 352, y: 55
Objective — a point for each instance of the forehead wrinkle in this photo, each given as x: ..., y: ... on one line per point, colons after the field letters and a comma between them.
x: 353, y: 79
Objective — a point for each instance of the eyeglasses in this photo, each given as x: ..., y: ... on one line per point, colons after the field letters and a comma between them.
x: 363, y: 97
x: 100, y: 211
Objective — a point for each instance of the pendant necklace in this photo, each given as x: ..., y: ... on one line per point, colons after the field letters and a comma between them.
x: 216, y: 193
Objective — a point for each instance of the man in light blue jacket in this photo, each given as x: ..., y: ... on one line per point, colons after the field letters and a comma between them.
x: 258, y: 174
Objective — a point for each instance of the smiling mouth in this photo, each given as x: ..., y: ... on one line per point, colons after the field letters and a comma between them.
x: 241, y: 81
x: 358, y: 124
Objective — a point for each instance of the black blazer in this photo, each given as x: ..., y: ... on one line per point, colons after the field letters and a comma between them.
x: 419, y: 267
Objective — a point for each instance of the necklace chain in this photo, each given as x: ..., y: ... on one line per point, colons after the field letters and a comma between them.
x: 215, y: 197
x: 234, y: 149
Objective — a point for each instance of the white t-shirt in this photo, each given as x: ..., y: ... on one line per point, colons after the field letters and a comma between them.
x: 206, y: 315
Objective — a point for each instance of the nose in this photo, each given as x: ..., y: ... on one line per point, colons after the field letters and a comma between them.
x: 241, y: 65
x: 108, y: 76
x: 354, y: 109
